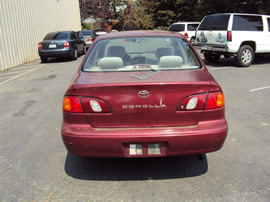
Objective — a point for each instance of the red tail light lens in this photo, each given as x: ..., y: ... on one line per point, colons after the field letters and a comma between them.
x: 215, y: 100
x: 90, y: 39
x: 72, y: 104
x: 229, y: 36
x: 186, y: 34
x: 93, y: 105
x: 201, y: 101
x: 39, y: 46
x: 194, y: 102
x: 66, y: 44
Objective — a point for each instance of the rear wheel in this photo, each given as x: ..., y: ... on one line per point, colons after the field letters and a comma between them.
x: 75, y: 54
x: 244, y: 56
x: 43, y: 59
x: 211, y: 58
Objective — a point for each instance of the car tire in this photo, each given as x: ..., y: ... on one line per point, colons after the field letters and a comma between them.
x: 211, y: 58
x: 43, y: 60
x: 244, y: 56
x: 75, y: 54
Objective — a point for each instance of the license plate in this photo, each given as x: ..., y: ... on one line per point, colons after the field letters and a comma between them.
x: 146, y: 149
x: 206, y: 48
x: 52, y: 45
x: 135, y: 149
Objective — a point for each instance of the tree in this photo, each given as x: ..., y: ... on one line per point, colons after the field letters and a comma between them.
x: 95, y: 9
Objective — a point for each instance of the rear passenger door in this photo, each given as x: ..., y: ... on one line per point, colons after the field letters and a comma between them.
x: 78, y: 42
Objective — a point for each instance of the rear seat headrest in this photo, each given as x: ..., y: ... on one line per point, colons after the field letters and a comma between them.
x: 110, y: 62
x: 170, y: 61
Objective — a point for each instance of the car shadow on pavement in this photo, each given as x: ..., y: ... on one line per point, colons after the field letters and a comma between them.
x: 114, y: 169
x: 59, y: 60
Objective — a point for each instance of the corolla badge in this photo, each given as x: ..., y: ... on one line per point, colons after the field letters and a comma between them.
x: 143, y: 94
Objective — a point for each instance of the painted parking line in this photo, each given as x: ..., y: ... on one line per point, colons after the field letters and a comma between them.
x: 258, y: 89
x: 4, y: 78
x: 7, y: 76
x: 218, y: 68
x: 20, y: 75
x: 11, y: 72
x: 23, y: 67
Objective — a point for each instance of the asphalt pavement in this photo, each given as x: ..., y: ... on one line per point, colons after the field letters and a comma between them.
x: 34, y: 164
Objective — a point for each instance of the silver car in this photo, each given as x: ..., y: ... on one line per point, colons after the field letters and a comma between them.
x: 88, y: 36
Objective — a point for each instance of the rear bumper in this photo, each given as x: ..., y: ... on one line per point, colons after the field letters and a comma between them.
x: 221, y: 49
x: 66, y: 52
x: 212, y: 48
x: 84, y: 140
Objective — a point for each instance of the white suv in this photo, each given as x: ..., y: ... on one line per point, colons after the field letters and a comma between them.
x: 188, y: 29
x: 234, y: 34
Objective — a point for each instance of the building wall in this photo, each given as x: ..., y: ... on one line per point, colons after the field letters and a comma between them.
x: 24, y: 23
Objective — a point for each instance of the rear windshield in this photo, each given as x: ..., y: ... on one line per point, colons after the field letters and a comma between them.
x: 177, y: 28
x: 247, y: 23
x: 215, y: 22
x: 192, y: 27
x: 57, y: 36
x: 86, y: 33
x: 141, y: 54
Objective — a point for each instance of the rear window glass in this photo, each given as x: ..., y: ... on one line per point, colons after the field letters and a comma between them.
x: 215, y: 22
x: 247, y: 23
x: 192, y: 27
x: 177, y: 28
x: 57, y: 36
x: 141, y: 54
x: 86, y: 33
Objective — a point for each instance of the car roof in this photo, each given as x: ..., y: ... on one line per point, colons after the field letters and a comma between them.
x: 239, y: 14
x: 140, y: 33
x: 185, y: 23
x: 60, y: 32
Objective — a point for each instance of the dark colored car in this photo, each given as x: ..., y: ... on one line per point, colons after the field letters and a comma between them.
x: 61, y: 44
x: 88, y: 36
x: 143, y: 94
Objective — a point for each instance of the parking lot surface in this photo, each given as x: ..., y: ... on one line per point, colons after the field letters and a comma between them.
x: 34, y: 164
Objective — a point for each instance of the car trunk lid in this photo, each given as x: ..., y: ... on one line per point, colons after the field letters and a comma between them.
x: 150, y: 102
x: 53, y: 44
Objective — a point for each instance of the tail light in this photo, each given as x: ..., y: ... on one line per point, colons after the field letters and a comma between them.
x: 194, y: 102
x: 229, y: 36
x: 93, y: 105
x: 186, y: 34
x: 72, y: 104
x: 66, y: 44
x: 39, y: 46
x: 202, y: 101
x: 215, y: 100
x: 90, y: 39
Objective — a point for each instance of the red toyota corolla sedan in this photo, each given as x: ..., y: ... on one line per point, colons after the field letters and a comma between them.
x: 143, y: 94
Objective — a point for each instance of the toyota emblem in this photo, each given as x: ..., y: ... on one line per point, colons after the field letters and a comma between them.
x: 143, y: 94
